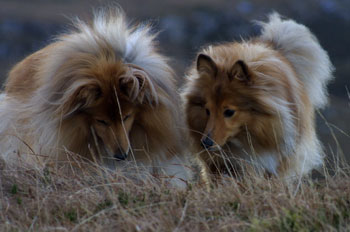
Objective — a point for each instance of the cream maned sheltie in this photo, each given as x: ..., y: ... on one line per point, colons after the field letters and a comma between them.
x: 101, y: 92
x: 253, y: 102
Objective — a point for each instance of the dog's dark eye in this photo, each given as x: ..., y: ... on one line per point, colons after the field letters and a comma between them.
x: 126, y: 118
x: 207, y: 111
x: 103, y: 122
x: 229, y: 113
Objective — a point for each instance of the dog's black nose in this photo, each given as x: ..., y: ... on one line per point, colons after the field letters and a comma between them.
x: 207, y: 142
x: 121, y: 156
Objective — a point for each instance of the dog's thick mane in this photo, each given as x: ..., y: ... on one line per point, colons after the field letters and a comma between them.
x: 109, y: 32
x: 37, y: 122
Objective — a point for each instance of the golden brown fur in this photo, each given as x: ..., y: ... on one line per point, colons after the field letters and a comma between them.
x: 247, y: 105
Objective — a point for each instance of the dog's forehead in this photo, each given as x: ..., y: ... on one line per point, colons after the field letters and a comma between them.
x: 218, y: 89
x: 214, y: 94
x: 112, y: 105
x: 222, y: 94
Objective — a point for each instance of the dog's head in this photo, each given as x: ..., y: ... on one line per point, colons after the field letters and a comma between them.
x: 103, y: 96
x: 221, y: 101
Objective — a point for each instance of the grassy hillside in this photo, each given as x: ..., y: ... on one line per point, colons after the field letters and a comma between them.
x: 42, y: 200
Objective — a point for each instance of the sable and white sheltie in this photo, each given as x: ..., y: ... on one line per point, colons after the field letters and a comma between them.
x: 254, y: 101
x: 101, y: 91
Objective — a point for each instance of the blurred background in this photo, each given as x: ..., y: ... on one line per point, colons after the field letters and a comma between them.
x: 187, y: 25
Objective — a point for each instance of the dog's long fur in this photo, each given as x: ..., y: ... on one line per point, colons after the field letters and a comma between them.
x: 271, y: 86
x: 99, y: 90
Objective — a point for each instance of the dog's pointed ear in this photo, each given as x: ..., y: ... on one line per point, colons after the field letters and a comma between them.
x: 135, y: 84
x: 205, y: 65
x: 80, y: 98
x: 241, y: 72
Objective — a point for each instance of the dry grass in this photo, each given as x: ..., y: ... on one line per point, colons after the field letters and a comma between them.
x: 42, y: 200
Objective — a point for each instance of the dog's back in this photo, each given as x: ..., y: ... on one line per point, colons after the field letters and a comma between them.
x: 23, y: 79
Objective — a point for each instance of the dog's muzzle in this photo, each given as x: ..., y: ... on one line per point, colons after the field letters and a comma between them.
x: 207, y: 142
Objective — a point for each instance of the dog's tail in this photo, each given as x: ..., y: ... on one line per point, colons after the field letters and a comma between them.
x: 302, y: 49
